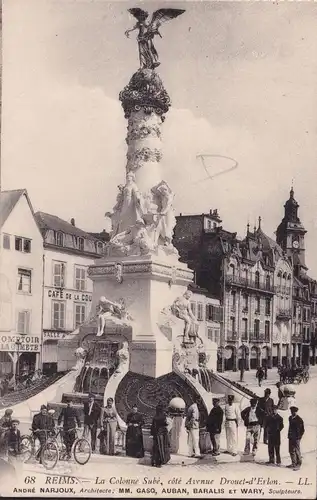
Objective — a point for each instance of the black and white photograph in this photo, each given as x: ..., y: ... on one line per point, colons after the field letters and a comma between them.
x: 158, y: 242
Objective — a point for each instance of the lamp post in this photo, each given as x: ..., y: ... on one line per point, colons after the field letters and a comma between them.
x: 242, y: 366
x: 18, y: 343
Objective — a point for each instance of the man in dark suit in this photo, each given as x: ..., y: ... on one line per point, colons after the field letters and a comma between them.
x: 14, y: 439
x: 70, y: 417
x: 42, y: 426
x: 295, y: 433
x: 274, y: 427
x: 251, y: 417
x: 265, y: 406
x: 214, y: 424
x: 91, y: 416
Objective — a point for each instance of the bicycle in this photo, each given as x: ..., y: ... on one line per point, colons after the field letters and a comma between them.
x: 54, y: 449
x: 30, y: 444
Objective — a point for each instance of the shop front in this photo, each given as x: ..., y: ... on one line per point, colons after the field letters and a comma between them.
x: 50, y: 350
x: 19, y: 355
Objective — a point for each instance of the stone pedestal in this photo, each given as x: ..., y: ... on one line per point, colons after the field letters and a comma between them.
x: 148, y: 285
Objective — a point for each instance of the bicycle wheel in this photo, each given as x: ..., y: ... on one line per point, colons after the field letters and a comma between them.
x: 82, y: 451
x: 49, y: 454
x: 27, y: 448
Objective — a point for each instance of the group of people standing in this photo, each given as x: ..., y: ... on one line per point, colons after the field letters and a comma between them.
x: 262, y: 414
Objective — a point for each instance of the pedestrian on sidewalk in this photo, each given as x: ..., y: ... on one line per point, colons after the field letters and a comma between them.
x: 192, y: 426
x: 92, y: 412
x: 161, y: 442
x: 295, y: 433
x: 260, y: 375
x: 214, y: 424
x: 265, y: 406
x: 232, y: 415
x: 274, y: 427
x: 251, y: 418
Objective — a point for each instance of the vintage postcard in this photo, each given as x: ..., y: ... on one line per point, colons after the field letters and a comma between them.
x: 158, y: 242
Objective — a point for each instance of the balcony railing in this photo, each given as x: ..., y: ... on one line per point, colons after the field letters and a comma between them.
x: 249, y: 283
x: 285, y: 314
x: 285, y: 290
x: 232, y: 335
x: 259, y: 337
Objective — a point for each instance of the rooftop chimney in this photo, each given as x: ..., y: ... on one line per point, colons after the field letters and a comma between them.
x: 72, y: 221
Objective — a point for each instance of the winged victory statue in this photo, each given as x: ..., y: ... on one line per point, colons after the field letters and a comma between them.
x: 148, y: 30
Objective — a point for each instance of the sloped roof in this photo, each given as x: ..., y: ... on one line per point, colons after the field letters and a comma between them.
x: 268, y: 243
x: 54, y: 223
x: 8, y: 200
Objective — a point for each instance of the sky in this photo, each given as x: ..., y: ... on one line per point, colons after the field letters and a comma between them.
x: 242, y: 78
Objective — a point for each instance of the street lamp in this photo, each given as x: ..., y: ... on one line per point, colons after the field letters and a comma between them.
x: 242, y: 366
x: 18, y: 343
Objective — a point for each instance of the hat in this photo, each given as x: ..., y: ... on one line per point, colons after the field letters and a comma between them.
x: 15, y: 421
x: 43, y: 407
x: 215, y: 400
x: 8, y: 411
x: 294, y: 408
x: 267, y: 391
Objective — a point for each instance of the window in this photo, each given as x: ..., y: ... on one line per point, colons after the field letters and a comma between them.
x: 232, y: 269
x: 234, y: 299
x: 233, y: 324
x: 245, y: 303
x: 58, y: 320
x: 59, y: 238
x: 193, y: 308
x: 80, y: 278
x: 209, y: 224
x: 245, y: 328
x: 23, y: 326
x: 267, y: 330
x: 59, y: 274
x: 294, y: 311
x: 99, y: 247
x: 22, y: 244
x: 256, y: 328
x: 267, y: 307
x: 81, y: 244
x: 80, y: 314
x: 210, y: 334
x: 257, y: 304
x: 304, y: 314
x: 268, y: 282
x: 199, y: 311
x: 257, y: 279
x: 6, y: 241
x: 24, y: 280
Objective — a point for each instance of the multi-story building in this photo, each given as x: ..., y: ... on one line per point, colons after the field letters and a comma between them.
x: 21, y: 278
x: 242, y: 275
x: 67, y: 289
x: 290, y: 235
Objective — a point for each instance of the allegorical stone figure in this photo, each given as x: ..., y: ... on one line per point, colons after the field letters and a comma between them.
x: 164, y: 196
x: 147, y: 31
x: 182, y: 310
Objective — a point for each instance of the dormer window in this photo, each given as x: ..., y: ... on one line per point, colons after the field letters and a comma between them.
x: 81, y: 244
x: 99, y: 247
x: 59, y: 239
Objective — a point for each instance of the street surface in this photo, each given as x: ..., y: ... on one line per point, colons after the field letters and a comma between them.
x: 186, y: 469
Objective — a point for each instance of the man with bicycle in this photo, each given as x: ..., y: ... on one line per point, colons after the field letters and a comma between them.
x: 70, y: 417
x: 42, y: 425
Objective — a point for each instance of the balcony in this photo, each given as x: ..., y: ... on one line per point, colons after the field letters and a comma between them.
x: 297, y: 337
x: 232, y: 336
x: 249, y: 283
x: 284, y: 314
x: 284, y: 290
x: 261, y: 337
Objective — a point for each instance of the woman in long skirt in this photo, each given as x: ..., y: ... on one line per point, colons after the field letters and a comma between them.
x: 109, y: 424
x: 161, y: 442
x: 134, y: 437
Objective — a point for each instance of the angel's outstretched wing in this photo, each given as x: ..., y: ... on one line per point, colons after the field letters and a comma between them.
x: 162, y: 15
x: 139, y: 14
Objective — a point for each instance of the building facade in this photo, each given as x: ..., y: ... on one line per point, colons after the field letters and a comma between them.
x: 21, y: 281
x: 67, y: 289
x: 245, y: 276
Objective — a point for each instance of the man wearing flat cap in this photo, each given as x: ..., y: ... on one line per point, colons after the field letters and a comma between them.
x: 251, y: 418
x: 295, y: 433
x: 42, y: 426
x: 274, y: 427
x: 14, y: 439
x: 91, y: 417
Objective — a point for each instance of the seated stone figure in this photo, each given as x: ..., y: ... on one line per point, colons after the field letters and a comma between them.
x: 106, y: 309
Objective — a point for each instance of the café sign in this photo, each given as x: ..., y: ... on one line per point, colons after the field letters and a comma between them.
x: 62, y: 294
x: 54, y: 335
x: 19, y: 343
